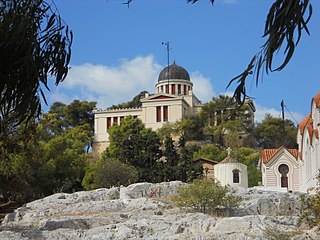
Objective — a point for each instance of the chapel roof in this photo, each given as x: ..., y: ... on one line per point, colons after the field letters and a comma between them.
x: 268, y: 154
x: 229, y: 159
x: 174, y: 71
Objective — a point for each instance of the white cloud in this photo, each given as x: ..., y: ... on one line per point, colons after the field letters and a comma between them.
x: 202, y: 87
x: 110, y: 85
x: 262, y: 111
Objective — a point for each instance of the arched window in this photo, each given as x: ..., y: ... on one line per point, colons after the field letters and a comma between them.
x: 235, y: 173
x: 283, y: 170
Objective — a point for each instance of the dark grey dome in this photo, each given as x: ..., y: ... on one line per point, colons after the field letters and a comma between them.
x: 174, y: 71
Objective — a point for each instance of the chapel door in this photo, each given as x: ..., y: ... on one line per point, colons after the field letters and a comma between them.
x: 284, y: 169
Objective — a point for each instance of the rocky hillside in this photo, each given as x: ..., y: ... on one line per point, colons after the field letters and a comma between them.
x: 144, y: 211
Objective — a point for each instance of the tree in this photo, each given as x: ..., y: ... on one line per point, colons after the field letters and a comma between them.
x: 226, y: 120
x: 106, y: 173
x: 62, y: 117
x: 190, y: 127
x: 274, y: 132
x: 211, y: 152
x: 35, y: 43
x: 66, y: 158
x: 171, y: 158
x: 45, y: 156
x: 137, y: 146
x: 186, y: 169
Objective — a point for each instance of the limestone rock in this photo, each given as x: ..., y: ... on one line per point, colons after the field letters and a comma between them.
x: 137, y: 212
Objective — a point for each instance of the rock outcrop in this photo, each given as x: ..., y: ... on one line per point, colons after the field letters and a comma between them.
x: 144, y: 211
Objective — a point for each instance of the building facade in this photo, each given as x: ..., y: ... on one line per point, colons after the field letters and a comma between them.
x: 173, y: 100
x: 309, y: 148
x: 280, y: 169
x: 296, y: 169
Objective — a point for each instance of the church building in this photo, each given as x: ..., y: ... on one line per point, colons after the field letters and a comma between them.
x: 296, y: 169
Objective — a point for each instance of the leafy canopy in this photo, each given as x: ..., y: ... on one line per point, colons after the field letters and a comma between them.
x: 35, y: 44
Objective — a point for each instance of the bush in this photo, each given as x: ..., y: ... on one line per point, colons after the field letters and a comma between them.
x: 205, y: 196
x: 273, y: 233
x: 108, y: 173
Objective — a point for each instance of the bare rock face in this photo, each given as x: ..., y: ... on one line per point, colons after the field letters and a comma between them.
x: 143, y: 211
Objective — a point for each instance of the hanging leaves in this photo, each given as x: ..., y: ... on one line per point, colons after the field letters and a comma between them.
x: 35, y: 45
x: 283, y: 29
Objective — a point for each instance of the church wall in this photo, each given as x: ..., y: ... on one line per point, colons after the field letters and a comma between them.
x: 272, y: 176
x: 223, y: 172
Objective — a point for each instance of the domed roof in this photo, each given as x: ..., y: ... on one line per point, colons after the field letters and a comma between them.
x: 174, y: 71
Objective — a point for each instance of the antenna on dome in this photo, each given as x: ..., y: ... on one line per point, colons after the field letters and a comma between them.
x: 168, y: 55
x: 168, y: 51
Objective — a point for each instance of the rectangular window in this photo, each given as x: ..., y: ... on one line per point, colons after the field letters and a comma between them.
x: 115, y: 120
x: 108, y: 122
x: 167, y: 88
x: 165, y: 113
x: 179, y: 89
x: 184, y: 89
x: 161, y: 89
x: 189, y: 88
x: 158, y: 114
x: 173, y: 88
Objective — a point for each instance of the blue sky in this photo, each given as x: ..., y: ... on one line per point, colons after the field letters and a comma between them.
x: 117, y: 51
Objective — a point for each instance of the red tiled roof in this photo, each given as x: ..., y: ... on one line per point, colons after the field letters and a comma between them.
x: 268, y: 154
x: 316, y: 100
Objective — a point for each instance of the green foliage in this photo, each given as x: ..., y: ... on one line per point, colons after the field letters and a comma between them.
x: 273, y: 233
x: 66, y: 156
x: 45, y: 156
x: 168, y: 130
x: 224, y: 119
x: 273, y: 133
x: 205, y: 196
x: 171, y: 159
x: 211, y: 152
x: 137, y: 146
x: 134, y: 103
x: 106, y: 173
x: 34, y: 43
x: 186, y: 169
x: 190, y: 127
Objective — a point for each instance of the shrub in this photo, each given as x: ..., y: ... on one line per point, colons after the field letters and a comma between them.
x: 273, y: 233
x: 108, y: 173
x: 205, y: 196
